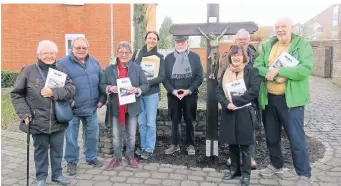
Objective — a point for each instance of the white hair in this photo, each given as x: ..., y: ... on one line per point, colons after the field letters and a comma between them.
x: 285, y: 19
x: 242, y: 31
x: 79, y: 38
x: 43, y: 43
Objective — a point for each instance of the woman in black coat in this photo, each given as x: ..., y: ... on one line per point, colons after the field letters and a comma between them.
x: 236, y: 127
x: 34, y: 104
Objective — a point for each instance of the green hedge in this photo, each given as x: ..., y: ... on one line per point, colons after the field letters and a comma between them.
x: 8, y: 78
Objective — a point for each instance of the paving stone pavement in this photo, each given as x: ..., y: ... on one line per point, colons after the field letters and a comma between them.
x: 323, y: 119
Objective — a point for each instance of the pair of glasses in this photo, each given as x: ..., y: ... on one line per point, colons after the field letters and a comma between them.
x: 49, y: 54
x: 81, y: 48
x: 124, y: 53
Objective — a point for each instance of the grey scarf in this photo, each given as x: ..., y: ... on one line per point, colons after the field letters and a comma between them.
x: 182, y: 68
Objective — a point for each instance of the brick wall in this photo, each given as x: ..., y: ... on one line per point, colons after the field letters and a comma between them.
x: 23, y: 26
x: 322, y: 61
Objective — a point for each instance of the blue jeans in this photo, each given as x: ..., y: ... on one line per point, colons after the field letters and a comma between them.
x: 147, y: 122
x: 90, y: 137
x: 125, y: 135
x: 292, y: 119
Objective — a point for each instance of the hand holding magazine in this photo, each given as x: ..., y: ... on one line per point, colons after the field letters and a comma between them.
x: 124, y: 96
x: 285, y: 60
x: 236, y: 88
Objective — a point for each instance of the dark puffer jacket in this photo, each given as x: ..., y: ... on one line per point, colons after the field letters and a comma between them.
x: 27, y: 101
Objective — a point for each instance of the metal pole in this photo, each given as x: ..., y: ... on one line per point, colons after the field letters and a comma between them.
x: 28, y: 155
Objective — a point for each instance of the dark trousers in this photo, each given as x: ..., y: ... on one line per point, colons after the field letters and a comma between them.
x: 42, y: 143
x: 186, y: 107
x: 235, y: 151
x: 277, y: 114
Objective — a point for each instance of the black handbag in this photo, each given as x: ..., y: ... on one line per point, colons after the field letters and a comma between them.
x: 108, y: 114
x: 63, y: 109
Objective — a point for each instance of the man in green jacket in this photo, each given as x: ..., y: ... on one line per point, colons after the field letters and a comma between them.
x: 284, y: 91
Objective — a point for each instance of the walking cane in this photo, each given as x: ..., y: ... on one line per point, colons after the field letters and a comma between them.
x: 28, y: 154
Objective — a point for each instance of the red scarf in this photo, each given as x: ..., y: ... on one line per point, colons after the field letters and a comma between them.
x: 122, y: 73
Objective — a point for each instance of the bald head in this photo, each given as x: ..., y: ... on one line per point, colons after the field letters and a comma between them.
x: 283, y: 28
x: 242, y: 37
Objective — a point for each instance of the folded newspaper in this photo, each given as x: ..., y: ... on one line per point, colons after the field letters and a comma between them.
x: 55, y: 79
x: 236, y: 88
x: 285, y: 60
x: 124, y: 96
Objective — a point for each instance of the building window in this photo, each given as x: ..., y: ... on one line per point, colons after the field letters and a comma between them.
x: 68, y: 40
x: 335, y: 22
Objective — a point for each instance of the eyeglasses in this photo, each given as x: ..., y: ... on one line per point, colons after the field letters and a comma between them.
x: 124, y: 53
x: 49, y: 54
x: 80, y: 48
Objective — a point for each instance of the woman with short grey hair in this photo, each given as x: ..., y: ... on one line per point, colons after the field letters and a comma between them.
x: 124, y: 116
x: 34, y: 104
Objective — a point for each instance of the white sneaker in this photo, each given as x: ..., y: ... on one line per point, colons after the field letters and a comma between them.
x: 270, y: 170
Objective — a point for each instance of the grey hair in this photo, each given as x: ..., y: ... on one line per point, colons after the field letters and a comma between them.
x: 285, y: 19
x: 243, y: 31
x: 124, y: 44
x: 79, y: 38
x: 46, y: 43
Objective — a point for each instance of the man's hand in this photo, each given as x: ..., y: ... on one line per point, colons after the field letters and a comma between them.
x: 231, y: 106
x: 271, y: 74
x: 176, y: 94
x: 185, y: 93
x: 113, y: 89
x: 27, y: 120
x: 99, y: 105
x: 281, y: 80
x: 46, y: 92
x: 133, y: 90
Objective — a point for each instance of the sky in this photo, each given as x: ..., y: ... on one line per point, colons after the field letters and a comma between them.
x: 262, y: 13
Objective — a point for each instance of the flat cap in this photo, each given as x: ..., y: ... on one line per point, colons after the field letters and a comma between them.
x: 180, y: 38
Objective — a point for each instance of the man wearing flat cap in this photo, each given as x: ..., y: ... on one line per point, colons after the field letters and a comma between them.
x: 184, y: 74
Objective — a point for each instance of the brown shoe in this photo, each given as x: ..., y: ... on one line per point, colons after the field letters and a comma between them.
x: 132, y: 162
x: 113, y: 163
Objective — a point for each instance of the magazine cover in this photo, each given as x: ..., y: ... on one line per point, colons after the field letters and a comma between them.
x: 55, y: 79
x: 123, y: 85
x: 150, y: 66
x: 236, y: 88
x: 285, y: 60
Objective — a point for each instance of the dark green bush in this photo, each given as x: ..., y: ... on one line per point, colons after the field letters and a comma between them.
x: 8, y: 78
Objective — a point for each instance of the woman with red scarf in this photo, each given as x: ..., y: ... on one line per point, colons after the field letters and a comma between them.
x: 124, y: 116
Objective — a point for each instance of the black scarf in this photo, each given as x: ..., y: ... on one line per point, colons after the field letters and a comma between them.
x: 143, y: 53
x: 45, y: 67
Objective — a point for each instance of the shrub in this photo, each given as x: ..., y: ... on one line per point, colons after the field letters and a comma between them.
x: 8, y: 78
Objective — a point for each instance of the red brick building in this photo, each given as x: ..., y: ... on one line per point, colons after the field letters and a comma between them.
x: 23, y: 26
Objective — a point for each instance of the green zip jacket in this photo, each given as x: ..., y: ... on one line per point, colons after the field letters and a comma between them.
x: 297, y: 84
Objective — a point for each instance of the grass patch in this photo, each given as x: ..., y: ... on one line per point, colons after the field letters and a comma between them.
x: 8, y: 115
